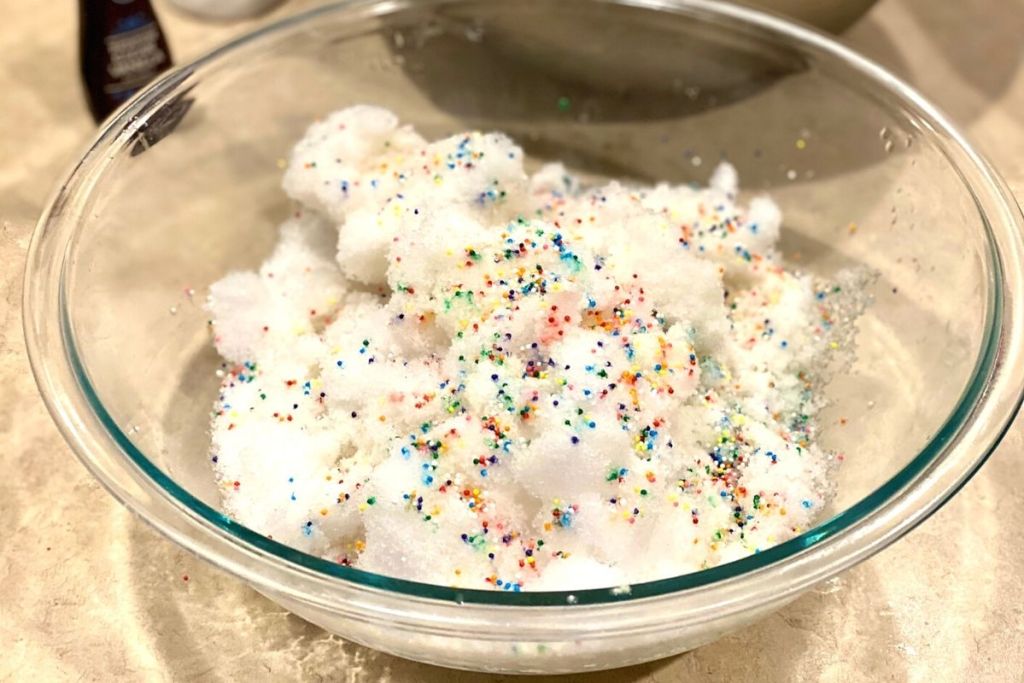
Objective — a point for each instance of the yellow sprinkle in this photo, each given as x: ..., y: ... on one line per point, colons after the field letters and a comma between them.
x: 801, y: 143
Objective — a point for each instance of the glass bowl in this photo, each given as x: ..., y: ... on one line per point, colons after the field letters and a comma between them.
x: 182, y: 185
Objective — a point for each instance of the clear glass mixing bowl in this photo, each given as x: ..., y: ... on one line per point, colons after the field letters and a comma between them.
x: 182, y: 185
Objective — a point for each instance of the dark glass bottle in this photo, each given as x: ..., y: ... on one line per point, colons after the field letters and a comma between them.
x: 122, y: 47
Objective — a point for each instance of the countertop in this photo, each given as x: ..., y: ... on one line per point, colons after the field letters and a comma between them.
x: 87, y: 592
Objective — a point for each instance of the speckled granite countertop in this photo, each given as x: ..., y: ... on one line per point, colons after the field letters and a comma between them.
x: 89, y: 593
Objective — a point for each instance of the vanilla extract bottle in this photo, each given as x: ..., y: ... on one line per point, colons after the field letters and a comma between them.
x: 122, y: 47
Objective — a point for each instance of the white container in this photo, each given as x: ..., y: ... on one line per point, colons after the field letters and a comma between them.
x: 225, y: 9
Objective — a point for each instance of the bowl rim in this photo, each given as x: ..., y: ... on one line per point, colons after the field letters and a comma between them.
x: 981, y: 416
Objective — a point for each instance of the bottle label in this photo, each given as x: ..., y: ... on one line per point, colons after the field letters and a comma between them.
x: 135, y: 56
